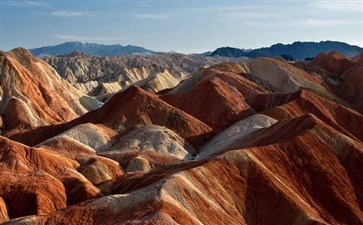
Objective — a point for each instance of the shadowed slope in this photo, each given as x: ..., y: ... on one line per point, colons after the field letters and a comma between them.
x: 296, y: 178
x: 281, y: 106
x: 352, y: 85
x: 126, y: 109
x: 216, y: 95
x: 212, y: 101
x: 285, y: 152
x: 43, y: 180
x: 358, y: 58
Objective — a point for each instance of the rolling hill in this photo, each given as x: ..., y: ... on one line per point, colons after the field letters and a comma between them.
x: 258, y: 141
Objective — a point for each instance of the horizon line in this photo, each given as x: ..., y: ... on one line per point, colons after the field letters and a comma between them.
x: 183, y: 52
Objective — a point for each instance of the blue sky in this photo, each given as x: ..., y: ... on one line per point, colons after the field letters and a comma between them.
x: 183, y: 26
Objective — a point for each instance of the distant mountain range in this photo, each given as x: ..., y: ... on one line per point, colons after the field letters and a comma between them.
x: 90, y: 48
x: 298, y: 50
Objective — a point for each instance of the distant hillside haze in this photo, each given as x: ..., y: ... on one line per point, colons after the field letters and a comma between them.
x: 229, y: 52
x: 90, y: 48
x: 298, y: 50
x: 98, y: 74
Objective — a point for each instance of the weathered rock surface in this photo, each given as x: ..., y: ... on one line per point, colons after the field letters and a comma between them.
x: 33, y: 94
x: 281, y: 75
x: 215, y: 100
x: 127, y: 109
x: 159, y: 71
x: 333, y: 62
x: 155, y: 138
x: 346, y: 76
x: 3, y: 211
x: 261, y: 142
x: 305, y: 180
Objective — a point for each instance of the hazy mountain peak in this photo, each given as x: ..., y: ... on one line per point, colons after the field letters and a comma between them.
x: 89, y: 48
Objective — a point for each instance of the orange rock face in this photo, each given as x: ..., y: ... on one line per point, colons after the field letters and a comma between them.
x: 212, y: 101
x: 349, y: 71
x: 32, y: 194
x: 3, y: 211
x: 33, y: 94
x: 126, y: 109
x: 333, y: 62
x: 40, y: 181
x: 229, y: 145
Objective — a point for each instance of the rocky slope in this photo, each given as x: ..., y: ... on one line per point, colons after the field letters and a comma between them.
x: 260, y: 142
x: 33, y: 94
x: 346, y: 74
x: 333, y: 62
x: 104, y: 75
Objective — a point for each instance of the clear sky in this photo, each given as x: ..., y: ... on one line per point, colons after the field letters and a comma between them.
x: 181, y: 25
